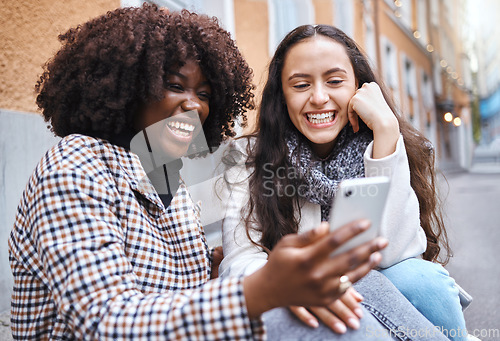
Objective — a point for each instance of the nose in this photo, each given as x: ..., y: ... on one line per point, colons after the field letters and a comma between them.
x: 191, y: 102
x: 319, y: 96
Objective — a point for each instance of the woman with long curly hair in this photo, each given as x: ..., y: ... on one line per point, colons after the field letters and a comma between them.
x: 98, y: 250
x: 324, y: 118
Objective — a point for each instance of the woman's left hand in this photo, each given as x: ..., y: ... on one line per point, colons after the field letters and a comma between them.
x: 369, y: 104
x: 344, y: 311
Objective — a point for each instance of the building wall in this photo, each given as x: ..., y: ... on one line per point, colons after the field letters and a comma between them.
x: 447, y: 34
x: 323, y: 12
x: 408, y: 47
x: 24, y: 138
x: 252, y: 33
x: 28, y: 36
x: 252, y: 28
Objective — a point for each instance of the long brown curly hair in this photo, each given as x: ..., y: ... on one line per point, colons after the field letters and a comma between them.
x: 111, y: 67
x: 276, y: 215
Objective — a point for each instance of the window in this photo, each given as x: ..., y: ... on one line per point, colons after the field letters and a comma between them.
x: 406, y: 13
x: 370, y: 42
x: 405, y: 10
x: 410, y: 79
x: 389, y: 61
x: 434, y: 7
x: 427, y: 96
x: 411, y: 105
x: 343, y: 16
x: 222, y: 9
x: 389, y: 65
x: 448, y: 11
x: 284, y: 16
x: 428, y: 107
x: 422, y: 21
x: 438, y: 83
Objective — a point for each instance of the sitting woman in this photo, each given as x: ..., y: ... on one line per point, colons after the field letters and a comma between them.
x: 304, y: 146
x: 97, y: 252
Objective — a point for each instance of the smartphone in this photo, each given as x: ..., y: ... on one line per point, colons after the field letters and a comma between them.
x: 357, y: 199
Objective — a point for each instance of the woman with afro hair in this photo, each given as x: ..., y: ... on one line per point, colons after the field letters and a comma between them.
x: 98, y: 250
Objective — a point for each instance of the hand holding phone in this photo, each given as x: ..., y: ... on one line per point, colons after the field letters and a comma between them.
x: 361, y: 198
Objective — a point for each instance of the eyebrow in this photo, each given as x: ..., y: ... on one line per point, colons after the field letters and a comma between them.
x: 180, y: 75
x: 304, y: 75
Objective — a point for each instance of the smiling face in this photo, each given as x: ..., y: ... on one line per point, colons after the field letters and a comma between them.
x: 318, y: 83
x: 182, y: 111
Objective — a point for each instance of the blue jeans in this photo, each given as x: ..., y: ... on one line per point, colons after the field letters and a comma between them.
x: 388, y: 316
x: 429, y: 287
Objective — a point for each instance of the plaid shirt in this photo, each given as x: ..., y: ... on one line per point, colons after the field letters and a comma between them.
x: 95, y: 255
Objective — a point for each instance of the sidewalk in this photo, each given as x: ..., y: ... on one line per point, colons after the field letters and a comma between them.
x: 5, y: 334
x: 472, y: 221
x: 485, y: 168
x: 478, y: 167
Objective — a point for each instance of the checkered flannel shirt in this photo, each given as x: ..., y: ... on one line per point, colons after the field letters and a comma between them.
x: 95, y: 255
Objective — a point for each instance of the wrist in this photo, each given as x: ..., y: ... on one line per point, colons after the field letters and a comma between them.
x: 388, y: 126
x: 385, y: 139
x: 259, y: 295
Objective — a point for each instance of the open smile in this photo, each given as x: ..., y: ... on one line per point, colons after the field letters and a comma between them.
x: 181, y: 129
x: 321, y: 119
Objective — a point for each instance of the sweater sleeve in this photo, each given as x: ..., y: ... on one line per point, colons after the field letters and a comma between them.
x: 401, y: 219
x: 241, y: 256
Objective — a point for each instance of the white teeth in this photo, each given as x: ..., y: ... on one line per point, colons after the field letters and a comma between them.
x: 187, y: 126
x: 321, y: 118
x: 181, y: 128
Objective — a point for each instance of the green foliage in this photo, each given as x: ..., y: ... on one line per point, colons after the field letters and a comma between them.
x: 476, y: 119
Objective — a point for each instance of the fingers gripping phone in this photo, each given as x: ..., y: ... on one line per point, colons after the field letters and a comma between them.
x: 357, y: 199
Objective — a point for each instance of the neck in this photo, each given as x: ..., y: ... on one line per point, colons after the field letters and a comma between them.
x: 165, y: 178
x: 322, y: 151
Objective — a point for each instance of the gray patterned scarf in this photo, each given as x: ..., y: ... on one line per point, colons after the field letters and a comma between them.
x: 320, y: 178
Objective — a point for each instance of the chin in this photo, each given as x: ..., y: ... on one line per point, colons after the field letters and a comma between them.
x: 323, y: 139
x: 173, y: 152
x: 177, y: 154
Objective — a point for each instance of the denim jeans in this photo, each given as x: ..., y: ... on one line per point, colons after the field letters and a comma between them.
x: 388, y: 315
x: 429, y: 287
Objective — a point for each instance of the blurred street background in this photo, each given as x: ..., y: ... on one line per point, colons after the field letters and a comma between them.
x: 438, y: 58
x: 473, y: 221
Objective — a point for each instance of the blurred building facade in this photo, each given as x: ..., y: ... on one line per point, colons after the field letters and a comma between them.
x: 486, y: 46
x: 416, y: 46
